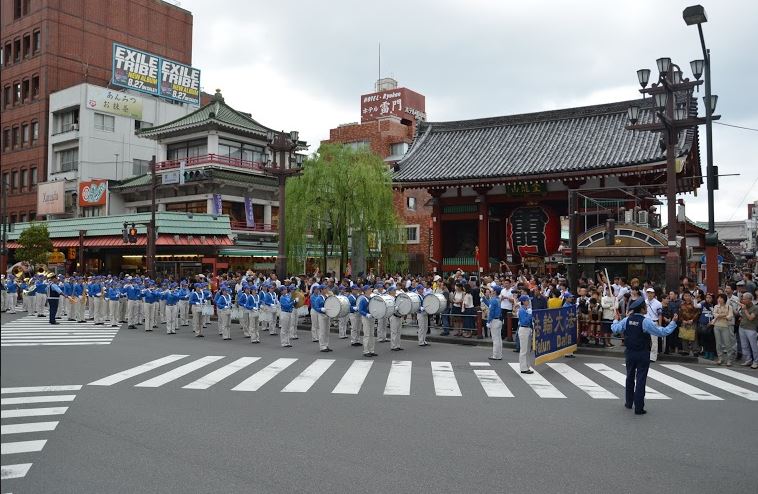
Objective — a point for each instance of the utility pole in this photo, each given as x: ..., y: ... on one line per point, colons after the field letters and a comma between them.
x: 4, y: 218
x: 150, y: 259
x: 82, y: 233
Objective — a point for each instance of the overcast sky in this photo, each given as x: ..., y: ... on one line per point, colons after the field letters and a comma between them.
x: 303, y: 65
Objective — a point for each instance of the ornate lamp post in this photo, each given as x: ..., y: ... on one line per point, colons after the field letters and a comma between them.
x: 672, y: 95
x: 289, y: 165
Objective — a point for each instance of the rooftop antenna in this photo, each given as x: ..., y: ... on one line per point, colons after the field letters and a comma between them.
x: 380, y: 66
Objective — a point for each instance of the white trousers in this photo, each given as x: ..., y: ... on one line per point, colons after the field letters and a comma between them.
x: 197, y: 319
x: 162, y: 310
x: 244, y: 320
x: 423, y: 325
x: 100, y: 310
x: 369, y: 342
x: 113, y: 312
x: 381, y: 329
x: 314, y: 325
x: 79, y: 309
x: 525, y: 356
x: 184, y: 312
x: 293, y: 324
x: 149, y: 310
x: 323, y: 331
x: 39, y: 304
x: 172, y: 318
x: 496, y: 328
x: 355, y: 327
x: 284, y: 328
x: 224, y: 322
x: 10, y: 302
x: 123, y: 305
x: 653, y: 348
x: 132, y: 313
x: 395, y: 323
x: 342, y: 325
x: 253, y: 328
x: 91, y: 306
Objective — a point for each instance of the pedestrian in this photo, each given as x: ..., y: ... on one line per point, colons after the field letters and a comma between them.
x: 749, y: 331
x: 723, y: 330
x: 525, y: 325
x: 494, y: 321
x: 637, y: 331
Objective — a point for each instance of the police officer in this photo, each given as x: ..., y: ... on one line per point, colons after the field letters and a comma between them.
x: 637, y: 331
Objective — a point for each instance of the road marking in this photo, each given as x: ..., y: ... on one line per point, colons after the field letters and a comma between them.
x: 479, y: 364
x: 681, y: 386
x: 492, y: 384
x: 22, y: 447
x: 180, y: 371
x: 726, y: 386
x: 736, y: 375
x: 14, y: 471
x: 445, y: 383
x: 308, y: 377
x: 40, y: 389
x: 539, y: 384
x: 582, y: 382
x: 28, y: 427
x: 36, y: 399
x: 57, y: 344
x: 399, y: 378
x: 209, y: 380
x: 254, y: 382
x: 136, y: 371
x: 620, y: 378
x: 352, y: 381
x: 32, y: 412
x: 94, y: 332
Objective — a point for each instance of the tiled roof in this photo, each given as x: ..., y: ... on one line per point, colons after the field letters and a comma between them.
x: 214, y: 173
x: 533, y: 144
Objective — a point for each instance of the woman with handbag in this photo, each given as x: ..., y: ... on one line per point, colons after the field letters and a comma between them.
x: 705, y: 326
x: 688, y: 315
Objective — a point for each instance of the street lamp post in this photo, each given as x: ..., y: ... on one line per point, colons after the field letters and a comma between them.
x: 285, y: 144
x: 672, y: 96
x: 695, y: 14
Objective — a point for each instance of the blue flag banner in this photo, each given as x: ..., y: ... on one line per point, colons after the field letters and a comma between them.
x: 217, y: 206
x: 555, y: 333
x: 249, y: 216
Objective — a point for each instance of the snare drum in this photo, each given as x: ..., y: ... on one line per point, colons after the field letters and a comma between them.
x: 407, y: 303
x: 381, y: 306
x: 434, y: 303
x: 336, y: 306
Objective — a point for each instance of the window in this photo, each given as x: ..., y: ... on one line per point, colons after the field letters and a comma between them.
x: 398, y: 148
x: 12, y: 219
x: 67, y: 120
x: 17, y: 9
x: 25, y: 135
x: 35, y: 131
x: 7, y: 96
x: 2, y: 56
x: 22, y: 218
x: 68, y: 160
x: 410, y: 202
x: 140, y: 124
x: 189, y: 149
x: 6, y: 139
x: 140, y: 167
x: 35, y: 87
x: 92, y: 211
x: 24, y: 179
x: 188, y: 207
x: 105, y: 122
x: 17, y: 50
x: 36, y: 42
x: 5, y: 179
x: 14, y: 180
x: 27, y: 45
x: 241, y: 150
x: 16, y: 93
x: 33, y: 180
x: 411, y: 234
x: 7, y: 54
x: 25, y: 86
x: 16, y: 136
x: 32, y: 215
x: 355, y: 145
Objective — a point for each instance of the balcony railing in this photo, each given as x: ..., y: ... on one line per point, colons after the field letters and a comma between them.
x: 257, y: 227
x: 210, y: 159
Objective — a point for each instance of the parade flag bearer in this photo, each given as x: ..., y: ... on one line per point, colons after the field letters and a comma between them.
x: 637, y: 331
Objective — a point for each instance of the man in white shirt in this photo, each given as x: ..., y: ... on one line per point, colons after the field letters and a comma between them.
x: 622, y: 289
x: 654, y: 310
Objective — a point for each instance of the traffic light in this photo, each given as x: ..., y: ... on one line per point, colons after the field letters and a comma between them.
x: 195, y: 175
x: 125, y: 234
x: 610, y: 232
x: 132, y: 234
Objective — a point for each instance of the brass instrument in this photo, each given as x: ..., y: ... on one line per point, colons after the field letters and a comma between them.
x: 299, y: 297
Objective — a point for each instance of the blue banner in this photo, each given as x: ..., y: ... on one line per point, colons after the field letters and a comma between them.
x: 217, y: 206
x: 554, y: 333
x: 249, y: 215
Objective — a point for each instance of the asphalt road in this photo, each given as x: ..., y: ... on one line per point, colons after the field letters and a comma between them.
x: 293, y: 433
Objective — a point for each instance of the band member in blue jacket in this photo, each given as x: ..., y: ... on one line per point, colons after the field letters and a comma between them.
x: 12, y: 296
x: 317, y: 306
x: 224, y: 307
x: 367, y: 322
x: 355, y: 317
x: 134, y: 300
x: 494, y: 322
x: 172, y: 309
x: 40, y: 296
x: 525, y: 325
x: 113, y: 294
x: 287, y: 306
x: 637, y: 331
x: 184, y: 293
x: 196, y: 299
x: 253, y: 306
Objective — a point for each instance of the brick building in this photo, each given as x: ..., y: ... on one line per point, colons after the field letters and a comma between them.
x: 388, y: 125
x: 49, y: 45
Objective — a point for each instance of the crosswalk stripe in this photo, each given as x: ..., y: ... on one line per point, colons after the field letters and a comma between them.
x: 67, y: 343
x: 620, y: 378
x: 28, y: 427
x: 479, y: 364
x: 180, y: 371
x: 36, y: 399
x: 136, y: 371
x: 308, y: 377
x: 726, y: 386
x: 35, y: 338
x: 582, y: 382
x: 353, y: 379
x: 41, y: 389
x: 214, y: 377
x: 32, y: 412
x: 399, y: 378
x: 14, y: 471
x: 736, y: 375
x: 254, y: 382
x: 492, y: 384
x: 17, y: 447
x: 682, y: 386
x: 539, y: 384
x: 445, y: 383
x: 57, y: 331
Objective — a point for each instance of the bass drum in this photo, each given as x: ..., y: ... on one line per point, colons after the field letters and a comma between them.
x: 407, y: 303
x: 381, y: 306
x: 336, y: 306
x: 434, y: 303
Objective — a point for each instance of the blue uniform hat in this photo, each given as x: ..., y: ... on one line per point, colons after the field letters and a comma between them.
x: 253, y: 287
x: 393, y: 288
x: 636, y: 303
x: 293, y: 287
x: 420, y: 286
x: 316, y: 287
x: 366, y: 287
x: 379, y: 285
x: 568, y: 295
x: 198, y: 285
x: 524, y: 298
x: 284, y: 288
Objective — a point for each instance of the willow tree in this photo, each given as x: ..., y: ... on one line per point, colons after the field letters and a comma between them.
x: 344, y: 195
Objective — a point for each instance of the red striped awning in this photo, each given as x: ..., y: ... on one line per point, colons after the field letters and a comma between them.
x: 116, y: 241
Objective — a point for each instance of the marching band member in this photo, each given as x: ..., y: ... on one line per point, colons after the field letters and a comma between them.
x: 133, y: 301
x: 207, y: 298
x: 149, y: 297
x: 113, y: 294
x: 78, y: 301
x: 382, y: 323
x: 294, y: 315
x: 12, y: 294
x: 494, y: 322
x: 244, y: 311
x: 525, y: 334
x: 3, y: 295
x: 366, y: 322
x: 224, y: 307
x: 253, y: 306
x: 342, y: 321
x: 123, y: 304
x: 172, y: 309
x: 90, y: 299
x: 274, y: 308
x: 68, y: 292
x: 24, y: 285
x: 95, y: 291
x: 422, y: 317
x: 184, y: 293
x: 40, y: 296
x: 395, y: 324
x: 317, y: 303
x: 196, y: 305
x: 29, y: 296
x: 315, y: 291
x: 287, y: 306
x: 355, y: 317
x: 162, y: 303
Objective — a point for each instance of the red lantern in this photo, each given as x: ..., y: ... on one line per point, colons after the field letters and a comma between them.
x: 534, y: 231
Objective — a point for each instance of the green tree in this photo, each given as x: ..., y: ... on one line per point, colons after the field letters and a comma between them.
x: 343, y: 194
x: 35, y: 244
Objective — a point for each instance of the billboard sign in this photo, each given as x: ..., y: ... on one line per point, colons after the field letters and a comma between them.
x: 114, y: 102
x: 152, y: 74
x: 399, y: 102
x: 51, y: 198
x: 93, y: 193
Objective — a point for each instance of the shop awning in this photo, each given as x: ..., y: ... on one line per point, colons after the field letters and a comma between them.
x: 246, y: 253
x: 116, y: 241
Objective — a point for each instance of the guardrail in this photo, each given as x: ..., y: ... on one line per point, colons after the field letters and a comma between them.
x: 210, y: 159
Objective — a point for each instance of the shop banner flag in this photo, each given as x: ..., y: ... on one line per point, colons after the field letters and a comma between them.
x: 217, y: 208
x: 555, y: 333
x: 249, y: 217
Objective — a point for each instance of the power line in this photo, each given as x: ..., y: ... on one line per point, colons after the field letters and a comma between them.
x: 739, y: 205
x: 737, y: 126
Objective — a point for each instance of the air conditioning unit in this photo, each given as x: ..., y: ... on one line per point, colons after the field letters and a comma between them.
x: 642, y: 218
x: 629, y: 216
x: 75, y: 126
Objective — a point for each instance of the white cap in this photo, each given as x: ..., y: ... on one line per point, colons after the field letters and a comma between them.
x: 651, y: 290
